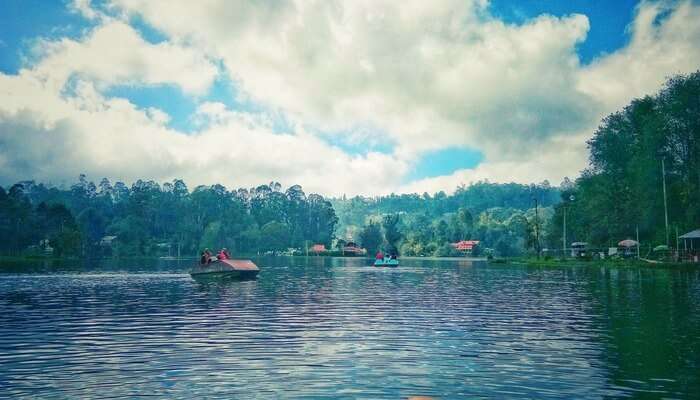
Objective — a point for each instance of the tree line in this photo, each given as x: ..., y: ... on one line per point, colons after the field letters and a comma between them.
x: 152, y: 219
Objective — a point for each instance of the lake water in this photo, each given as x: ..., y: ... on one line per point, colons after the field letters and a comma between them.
x: 336, y: 328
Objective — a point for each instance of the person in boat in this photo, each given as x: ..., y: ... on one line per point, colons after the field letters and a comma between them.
x: 228, y: 255
x: 223, y: 254
x: 203, y: 258
x: 208, y: 256
x: 380, y: 255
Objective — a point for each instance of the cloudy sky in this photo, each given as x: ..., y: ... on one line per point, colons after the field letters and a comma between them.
x: 342, y: 97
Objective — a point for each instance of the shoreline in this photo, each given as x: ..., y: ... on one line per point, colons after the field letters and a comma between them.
x: 629, y: 263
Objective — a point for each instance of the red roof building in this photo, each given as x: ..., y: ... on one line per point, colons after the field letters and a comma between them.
x: 318, y: 248
x: 465, y: 245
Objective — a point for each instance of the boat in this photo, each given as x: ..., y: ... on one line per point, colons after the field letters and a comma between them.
x: 226, y: 269
x: 386, y: 262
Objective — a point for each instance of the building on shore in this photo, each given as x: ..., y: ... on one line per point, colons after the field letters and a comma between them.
x: 465, y: 246
x: 691, y: 246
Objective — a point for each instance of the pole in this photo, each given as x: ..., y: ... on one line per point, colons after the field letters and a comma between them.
x: 563, y: 235
x: 638, y: 244
x: 537, y: 231
x: 676, y: 238
x: 663, y: 176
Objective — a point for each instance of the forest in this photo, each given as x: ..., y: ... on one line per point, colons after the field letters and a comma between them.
x: 152, y: 219
x: 505, y: 218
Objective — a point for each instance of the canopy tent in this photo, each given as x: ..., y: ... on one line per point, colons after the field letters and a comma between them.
x: 691, y: 235
x: 691, y: 240
x: 628, y: 243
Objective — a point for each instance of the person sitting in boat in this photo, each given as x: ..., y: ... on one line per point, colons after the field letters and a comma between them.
x: 223, y: 254
x: 203, y: 258
x: 208, y: 256
x: 380, y: 255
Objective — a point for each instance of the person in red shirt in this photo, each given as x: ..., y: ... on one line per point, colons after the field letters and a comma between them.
x: 379, y: 256
x: 222, y: 255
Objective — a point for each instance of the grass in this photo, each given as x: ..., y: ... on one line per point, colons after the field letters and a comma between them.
x: 558, y: 262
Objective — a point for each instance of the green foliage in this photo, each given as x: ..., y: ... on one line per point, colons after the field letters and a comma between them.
x: 66, y: 242
x: 147, y: 217
x: 276, y: 236
x: 446, y: 250
x: 428, y: 224
x: 371, y: 237
x: 392, y: 235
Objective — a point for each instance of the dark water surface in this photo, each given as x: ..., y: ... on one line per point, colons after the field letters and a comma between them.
x: 335, y: 328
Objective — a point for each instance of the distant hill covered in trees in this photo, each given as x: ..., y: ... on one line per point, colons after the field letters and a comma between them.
x: 501, y: 216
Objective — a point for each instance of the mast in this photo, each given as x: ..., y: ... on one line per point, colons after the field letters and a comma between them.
x: 663, y: 177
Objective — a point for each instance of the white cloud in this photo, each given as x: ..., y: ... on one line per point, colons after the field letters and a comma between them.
x: 657, y: 50
x: 429, y: 75
x: 114, y: 53
x: 62, y: 137
x: 84, y: 8
x: 545, y: 165
x: 423, y: 75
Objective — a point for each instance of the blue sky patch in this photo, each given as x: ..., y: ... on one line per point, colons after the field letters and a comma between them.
x: 608, y: 20
x: 361, y: 148
x: 22, y: 22
x: 444, y: 162
x: 168, y: 98
x: 147, y: 32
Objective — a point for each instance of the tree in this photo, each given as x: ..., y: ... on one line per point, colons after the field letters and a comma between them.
x: 371, y: 237
x: 391, y: 232
x: 276, y: 236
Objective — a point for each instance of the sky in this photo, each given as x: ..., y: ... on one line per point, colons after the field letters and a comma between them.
x: 342, y: 97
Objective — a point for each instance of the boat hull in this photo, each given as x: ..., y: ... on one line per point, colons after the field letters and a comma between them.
x: 386, y: 263
x: 226, y: 270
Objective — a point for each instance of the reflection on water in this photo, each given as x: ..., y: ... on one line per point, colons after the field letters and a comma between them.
x: 338, y: 328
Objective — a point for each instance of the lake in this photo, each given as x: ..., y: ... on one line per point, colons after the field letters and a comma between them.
x: 336, y: 328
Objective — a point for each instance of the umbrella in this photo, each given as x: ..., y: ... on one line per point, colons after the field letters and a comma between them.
x: 628, y: 243
x: 661, y: 247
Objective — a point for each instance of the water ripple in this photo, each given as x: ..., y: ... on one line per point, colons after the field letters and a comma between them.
x: 340, y: 329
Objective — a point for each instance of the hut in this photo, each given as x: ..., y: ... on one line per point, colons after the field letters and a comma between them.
x: 627, y: 248
x: 351, y: 248
x: 318, y: 248
x: 465, y: 246
x: 691, y: 245
x: 578, y: 249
